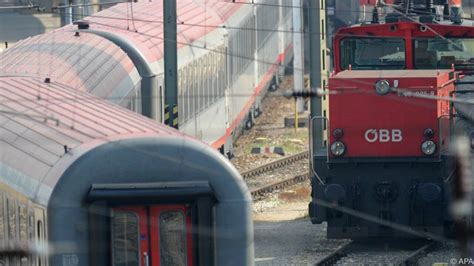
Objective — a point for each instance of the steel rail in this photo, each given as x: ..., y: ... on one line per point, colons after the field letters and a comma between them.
x: 275, y: 165
x: 413, y: 258
x: 334, y: 256
x: 361, y: 247
x: 263, y: 190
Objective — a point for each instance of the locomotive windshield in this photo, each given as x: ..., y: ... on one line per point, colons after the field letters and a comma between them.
x: 435, y: 53
x: 373, y: 53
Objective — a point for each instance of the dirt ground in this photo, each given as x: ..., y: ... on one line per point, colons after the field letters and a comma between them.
x: 283, y: 233
x: 269, y: 131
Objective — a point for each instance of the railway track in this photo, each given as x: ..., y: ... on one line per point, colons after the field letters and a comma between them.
x: 275, y: 165
x: 378, y: 253
x: 262, y: 191
x: 413, y: 258
x: 334, y: 256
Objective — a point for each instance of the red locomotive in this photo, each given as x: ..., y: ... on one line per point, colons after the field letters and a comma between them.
x: 387, y: 161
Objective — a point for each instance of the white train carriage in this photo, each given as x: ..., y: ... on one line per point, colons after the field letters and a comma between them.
x: 228, y: 53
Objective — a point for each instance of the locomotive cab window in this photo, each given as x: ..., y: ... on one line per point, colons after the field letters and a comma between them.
x: 438, y: 53
x: 372, y: 53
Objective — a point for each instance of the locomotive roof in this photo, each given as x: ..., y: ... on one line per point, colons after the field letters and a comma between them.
x: 92, y: 63
x: 387, y: 30
x: 418, y: 73
x: 45, y: 127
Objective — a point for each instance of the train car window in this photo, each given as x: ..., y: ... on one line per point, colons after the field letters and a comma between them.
x: 12, y: 223
x: 221, y: 67
x: 189, y: 84
x: 205, y: 79
x: 172, y: 226
x: 207, y: 85
x: 180, y: 96
x: 40, y: 239
x: 201, y: 84
x: 437, y: 53
x: 194, y: 89
x: 229, y: 59
x: 210, y: 78
x: 31, y: 233
x: 185, y: 94
x: 216, y: 77
x: 125, y: 239
x: 372, y: 53
x: 23, y: 223
x: 139, y: 98
x: 227, y: 76
x: 23, y: 230
x: 3, y: 239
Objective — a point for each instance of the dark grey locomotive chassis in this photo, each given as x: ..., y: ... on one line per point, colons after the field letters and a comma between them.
x: 407, y: 191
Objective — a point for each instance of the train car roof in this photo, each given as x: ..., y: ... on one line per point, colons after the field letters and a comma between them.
x: 45, y: 127
x: 95, y: 64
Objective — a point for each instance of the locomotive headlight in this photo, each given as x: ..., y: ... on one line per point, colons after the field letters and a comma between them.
x: 428, y: 133
x: 382, y: 87
x: 428, y: 147
x: 338, y: 148
x: 338, y: 133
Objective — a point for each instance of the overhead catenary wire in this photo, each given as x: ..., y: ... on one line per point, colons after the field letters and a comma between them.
x: 233, y: 55
x: 218, y: 51
x: 196, y: 46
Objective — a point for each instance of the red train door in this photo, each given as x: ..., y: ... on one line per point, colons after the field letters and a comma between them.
x: 156, y: 235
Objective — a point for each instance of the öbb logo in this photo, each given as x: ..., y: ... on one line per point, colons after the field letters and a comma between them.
x: 383, y: 135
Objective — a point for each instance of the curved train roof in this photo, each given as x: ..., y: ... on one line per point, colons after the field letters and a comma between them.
x: 45, y: 127
x: 91, y: 63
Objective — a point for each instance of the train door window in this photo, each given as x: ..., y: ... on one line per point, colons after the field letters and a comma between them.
x: 173, y: 238
x: 125, y: 237
x: 157, y: 235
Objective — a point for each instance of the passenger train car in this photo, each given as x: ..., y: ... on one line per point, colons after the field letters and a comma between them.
x: 86, y: 182
x: 387, y: 164
x: 229, y: 55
